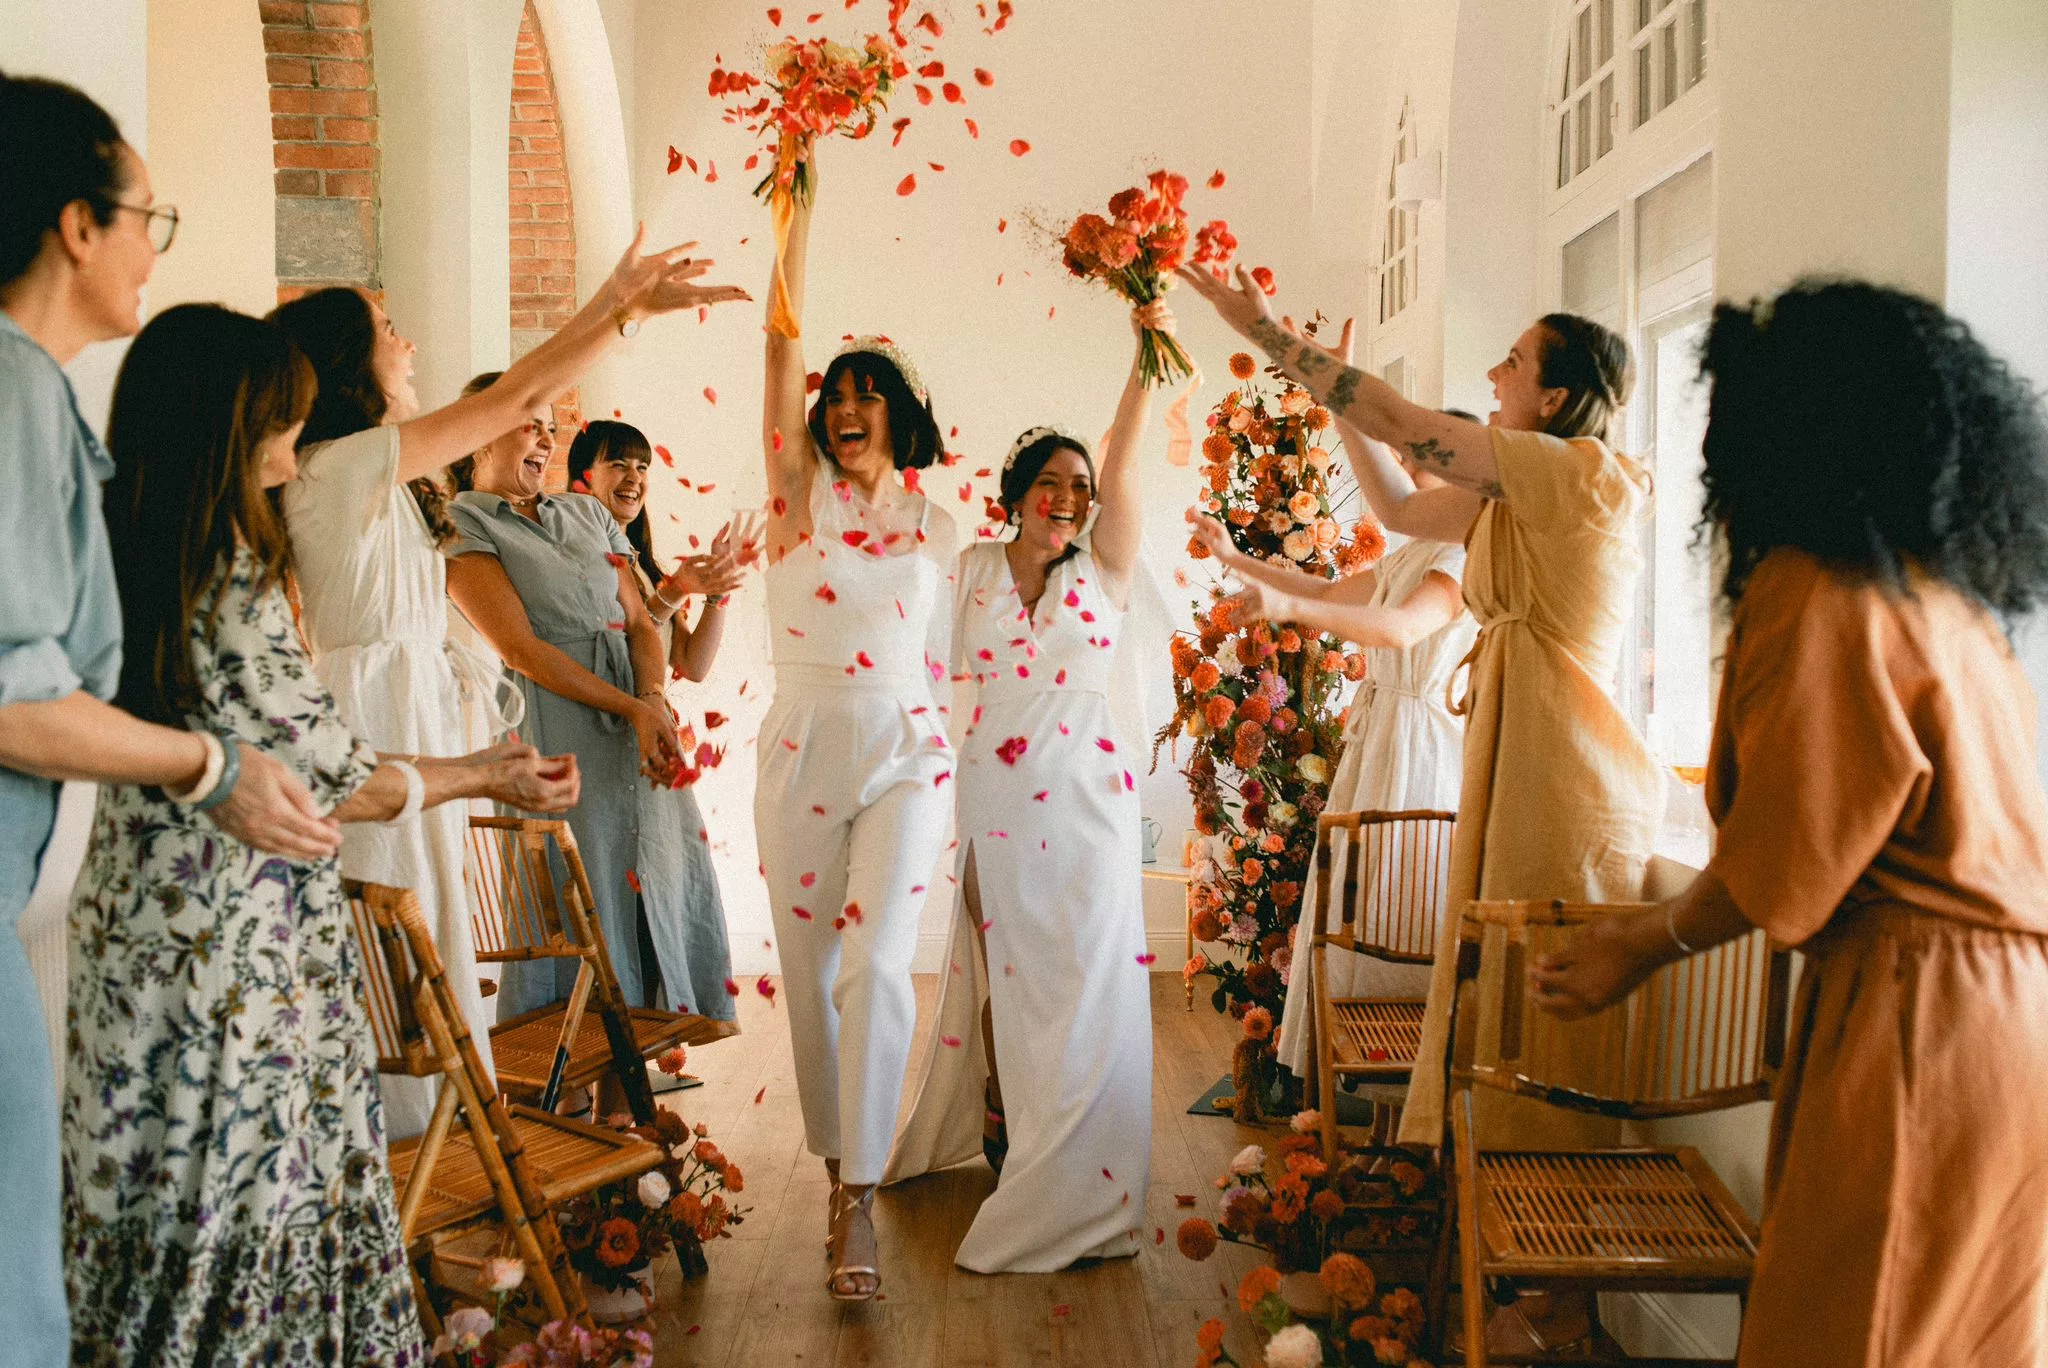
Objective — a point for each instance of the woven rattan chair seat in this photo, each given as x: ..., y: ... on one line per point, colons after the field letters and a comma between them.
x: 1376, y: 1035
x: 566, y: 1159
x: 523, y: 1048
x: 1646, y: 1214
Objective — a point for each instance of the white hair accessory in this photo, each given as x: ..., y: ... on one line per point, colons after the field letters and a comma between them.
x: 1032, y: 436
x: 895, y: 356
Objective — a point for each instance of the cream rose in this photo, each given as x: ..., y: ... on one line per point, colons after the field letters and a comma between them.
x: 503, y: 1275
x: 653, y: 1189
x: 1294, y: 1346
x: 1327, y: 532
x: 1313, y: 768
x: 1296, y: 402
x: 1305, y: 507
x: 1251, y: 1159
x: 1318, y: 458
x: 1299, y: 545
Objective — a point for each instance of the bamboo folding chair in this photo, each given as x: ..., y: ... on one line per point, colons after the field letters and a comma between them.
x: 1390, y: 911
x: 1701, y: 1034
x: 478, y: 1162
x: 521, y: 911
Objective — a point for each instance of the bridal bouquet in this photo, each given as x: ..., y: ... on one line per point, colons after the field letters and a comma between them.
x: 817, y: 88
x: 1136, y: 249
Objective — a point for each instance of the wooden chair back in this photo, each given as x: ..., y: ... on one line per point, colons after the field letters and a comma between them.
x: 1702, y: 1033
x: 1388, y: 900
x: 516, y: 912
x: 392, y: 933
x: 389, y: 984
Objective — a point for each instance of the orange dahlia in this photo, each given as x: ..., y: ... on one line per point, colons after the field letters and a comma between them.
x: 1258, y: 1284
x: 618, y: 1242
x: 1255, y: 708
x: 1326, y: 1205
x: 1196, y: 1238
x: 1217, y: 712
x: 1242, y: 366
x: 1348, y: 1281
x: 1217, y: 448
x: 1204, y: 676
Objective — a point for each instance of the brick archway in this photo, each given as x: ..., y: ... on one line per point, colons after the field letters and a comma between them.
x: 323, y: 120
x: 543, y: 231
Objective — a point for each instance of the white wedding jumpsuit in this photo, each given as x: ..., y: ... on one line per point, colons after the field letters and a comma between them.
x: 853, y: 800
x: 1048, y: 815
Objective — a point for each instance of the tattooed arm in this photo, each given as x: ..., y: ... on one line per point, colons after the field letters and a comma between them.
x: 1458, y: 451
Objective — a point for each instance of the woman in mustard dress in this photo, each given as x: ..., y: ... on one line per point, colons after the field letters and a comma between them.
x: 1561, y: 796
x: 1879, y: 484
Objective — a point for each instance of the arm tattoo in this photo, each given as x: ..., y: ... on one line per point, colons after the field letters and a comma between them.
x: 1492, y: 490
x: 1343, y: 392
x: 1429, y: 451
x: 1273, y: 339
x: 1311, y: 363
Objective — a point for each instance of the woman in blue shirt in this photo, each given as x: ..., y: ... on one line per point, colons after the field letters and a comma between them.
x: 79, y: 233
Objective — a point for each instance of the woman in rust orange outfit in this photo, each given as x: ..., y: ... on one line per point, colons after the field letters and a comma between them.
x: 1880, y: 485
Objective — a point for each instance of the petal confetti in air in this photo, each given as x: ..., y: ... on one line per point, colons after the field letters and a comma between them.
x: 775, y: 17
x: 1216, y: 181
x: 1147, y: 958
x: 732, y: 989
x: 1104, y: 743
x: 808, y: 878
x: 675, y: 161
x: 973, y: 128
x: 983, y: 78
x: 757, y: 1102
x: 1018, y: 147
x: 711, y: 394
x: 800, y: 913
x: 951, y: 1042
x: 633, y: 881
x: 766, y: 988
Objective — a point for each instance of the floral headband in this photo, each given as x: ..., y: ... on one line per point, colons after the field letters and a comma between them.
x: 895, y: 356
x: 1032, y: 436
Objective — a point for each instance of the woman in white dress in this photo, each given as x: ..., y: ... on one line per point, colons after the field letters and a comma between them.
x: 1403, y: 746
x: 367, y: 521
x: 1049, y: 925
x: 851, y: 805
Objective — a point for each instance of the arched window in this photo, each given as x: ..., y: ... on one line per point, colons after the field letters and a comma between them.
x: 1658, y: 48
x: 1400, y: 277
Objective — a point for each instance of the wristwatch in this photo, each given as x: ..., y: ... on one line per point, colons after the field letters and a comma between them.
x: 627, y: 324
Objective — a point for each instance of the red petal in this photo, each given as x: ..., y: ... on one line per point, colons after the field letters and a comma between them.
x: 907, y: 184
x: 1216, y: 181
x: 807, y: 879
x: 973, y: 130
x: 803, y: 914
x: 935, y: 166
x: 666, y: 459
x: 1018, y: 147
x: 952, y: 93
x: 711, y: 394
x: 775, y: 17
x: 775, y: 439
x: 711, y: 176
x: 931, y: 71
x: 813, y: 382
x: 1002, y: 225
x: 757, y: 1102
x: 983, y: 78
x: 1104, y: 743
x: 633, y: 881
x: 675, y: 161
x: 924, y: 94
x: 752, y: 162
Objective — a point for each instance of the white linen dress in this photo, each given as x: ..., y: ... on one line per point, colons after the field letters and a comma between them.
x: 1049, y: 817
x: 853, y: 797
x: 374, y: 608
x: 1403, y: 749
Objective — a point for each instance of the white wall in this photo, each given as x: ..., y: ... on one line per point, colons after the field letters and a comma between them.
x: 210, y: 153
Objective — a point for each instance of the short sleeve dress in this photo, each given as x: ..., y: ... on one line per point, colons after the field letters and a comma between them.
x: 1561, y: 797
x: 1873, y: 780
x: 226, y: 1198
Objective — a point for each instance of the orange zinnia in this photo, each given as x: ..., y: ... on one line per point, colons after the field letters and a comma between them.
x: 1204, y: 676
x: 1348, y: 1281
x: 1196, y: 1238
x: 1258, y: 1284
x: 1217, y: 712
x: 1255, y: 708
x: 1218, y: 448
x: 1326, y: 1205
x: 1244, y: 368
x: 618, y: 1241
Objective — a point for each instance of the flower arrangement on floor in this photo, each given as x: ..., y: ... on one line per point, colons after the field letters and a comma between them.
x: 1259, y: 700
x: 614, y: 1233
x: 1359, y: 1333
x: 1136, y: 250
x: 467, y: 1336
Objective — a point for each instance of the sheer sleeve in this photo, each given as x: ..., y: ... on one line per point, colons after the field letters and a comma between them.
x: 1815, y: 762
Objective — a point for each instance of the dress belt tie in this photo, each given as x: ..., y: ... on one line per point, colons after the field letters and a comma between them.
x: 1461, y: 704
x: 479, y: 678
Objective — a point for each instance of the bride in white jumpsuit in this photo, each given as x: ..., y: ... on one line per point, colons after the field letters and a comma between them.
x: 854, y: 791
x: 1049, y: 926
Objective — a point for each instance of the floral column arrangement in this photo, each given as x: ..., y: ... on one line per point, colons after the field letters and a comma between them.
x: 1260, y: 700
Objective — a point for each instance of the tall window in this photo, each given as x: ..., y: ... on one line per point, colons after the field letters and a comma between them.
x: 1400, y: 277
x: 1657, y: 49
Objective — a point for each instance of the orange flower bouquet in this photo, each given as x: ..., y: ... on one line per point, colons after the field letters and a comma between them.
x: 614, y: 1234
x: 816, y: 88
x: 1136, y: 249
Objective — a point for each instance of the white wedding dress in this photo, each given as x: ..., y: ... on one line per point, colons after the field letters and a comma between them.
x: 1403, y: 750
x: 1048, y: 816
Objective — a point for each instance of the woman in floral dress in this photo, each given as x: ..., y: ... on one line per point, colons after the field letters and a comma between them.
x: 226, y: 1199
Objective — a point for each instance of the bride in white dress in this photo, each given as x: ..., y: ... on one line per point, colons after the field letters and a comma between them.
x: 1047, y: 948
x: 1403, y: 747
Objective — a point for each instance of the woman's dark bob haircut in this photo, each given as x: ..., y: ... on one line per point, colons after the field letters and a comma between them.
x: 912, y: 429
x: 1867, y: 427
x: 607, y: 439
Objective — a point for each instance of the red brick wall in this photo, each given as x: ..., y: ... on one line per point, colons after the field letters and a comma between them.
x: 323, y: 106
x: 543, y: 241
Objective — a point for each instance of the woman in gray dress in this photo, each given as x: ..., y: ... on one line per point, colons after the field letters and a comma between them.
x: 548, y: 580
x: 685, y: 920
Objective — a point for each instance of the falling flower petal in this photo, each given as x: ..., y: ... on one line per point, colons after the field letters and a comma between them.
x: 907, y: 184
x: 757, y: 1102
x: 633, y: 881
x: 1147, y: 958
x: 951, y: 90
x: 951, y: 1042
x: 675, y: 161
x: 807, y: 879
x: 973, y: 129
x: 983, y: 78
x: 775, y: 17
x: 765, y: 987
x: 801, y: 914
x: 1216, y: 181
x: 1104, y: 743
x: 710, y: 395
x: 1018, y: 147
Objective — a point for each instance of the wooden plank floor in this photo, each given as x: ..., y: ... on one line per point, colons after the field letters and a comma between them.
x: 764, y: 1300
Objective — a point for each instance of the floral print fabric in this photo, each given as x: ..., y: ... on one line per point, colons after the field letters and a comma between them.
x: 226, y: 1197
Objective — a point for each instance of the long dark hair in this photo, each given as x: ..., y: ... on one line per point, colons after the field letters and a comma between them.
x: 56, y: 147
x: 1017, y: 478
x: 913, y: 431
x: 1593, y: 366
x: 604, y: 439
x: 200, y: 389
x: 336, y: 330
x: 1869, y: 428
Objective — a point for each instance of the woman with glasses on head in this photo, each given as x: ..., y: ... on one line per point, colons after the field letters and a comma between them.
x: 369, y: 527
x: 79, y: 234
x: 682, y: 915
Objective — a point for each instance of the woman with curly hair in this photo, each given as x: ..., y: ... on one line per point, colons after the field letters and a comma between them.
x: 851, y: 808
x: 1878, y: 482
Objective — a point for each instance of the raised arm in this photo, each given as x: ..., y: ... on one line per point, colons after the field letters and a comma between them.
x: 1460, y: 451
x: 639, y: 287
x: 1343, y: 607
x: 1120, y: 526
x: 785, y: 441
x: 691, y: 650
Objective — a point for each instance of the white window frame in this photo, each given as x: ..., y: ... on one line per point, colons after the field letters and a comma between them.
x: 1596, y: 89
x: 1643, y: 157
x: 1400, y: 267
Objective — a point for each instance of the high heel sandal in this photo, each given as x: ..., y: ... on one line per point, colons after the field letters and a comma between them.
x: 843, y: 1209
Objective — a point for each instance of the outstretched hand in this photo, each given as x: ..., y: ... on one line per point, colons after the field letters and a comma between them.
x: 1243, y: 307
x: 1347, y: 341
x: 1214, y: 537
x: 661, y: 282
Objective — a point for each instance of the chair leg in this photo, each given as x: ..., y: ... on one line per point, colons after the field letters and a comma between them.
x: 1473, y: 1292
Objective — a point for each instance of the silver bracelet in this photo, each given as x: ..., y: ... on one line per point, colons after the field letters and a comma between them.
x: 1671, y: 929
x: 415, y: 793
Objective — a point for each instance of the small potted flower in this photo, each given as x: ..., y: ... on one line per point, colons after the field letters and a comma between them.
x: 615, y: 1233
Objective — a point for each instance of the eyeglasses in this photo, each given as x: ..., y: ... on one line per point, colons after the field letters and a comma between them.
x: 162, y: 226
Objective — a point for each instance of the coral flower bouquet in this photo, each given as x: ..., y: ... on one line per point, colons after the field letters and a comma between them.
x: 1134, y: 249
x: 816, y: 88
